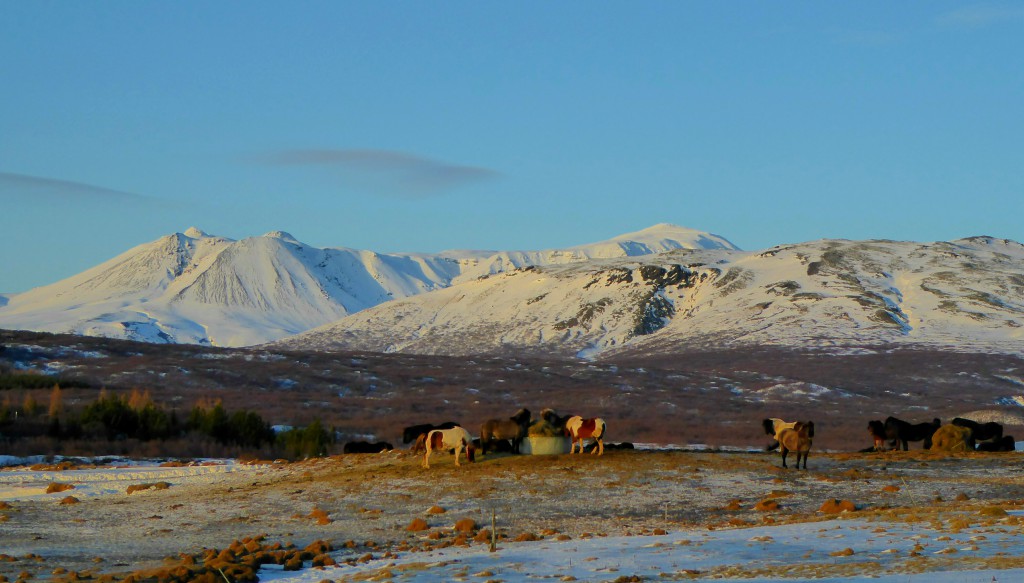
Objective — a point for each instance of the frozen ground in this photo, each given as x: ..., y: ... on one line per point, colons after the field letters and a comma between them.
x: 919, y: 517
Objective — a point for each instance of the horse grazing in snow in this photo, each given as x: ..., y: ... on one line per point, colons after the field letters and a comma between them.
x: 579, y: 429
x: 796, y: 439
x: 902, y: 431
x: 455, y: 438
x: 514, y: 428
x: 876, y: 429
x: 366, y: 447
x: 990, y: 431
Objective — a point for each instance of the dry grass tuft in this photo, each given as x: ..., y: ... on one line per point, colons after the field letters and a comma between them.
x: 435, y: 509
x: 835, y: 506
x: 69, y: 500
x: 466, y: 525
x: 150, y: 486
x: 769, y: 505
x: 417, y: 525
x: 320, y: 516
x: 58, y: 487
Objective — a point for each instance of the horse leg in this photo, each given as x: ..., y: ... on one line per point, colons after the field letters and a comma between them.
x: 906, y: 446
x: 426, y: 458
x: 458, y: 450
x: 599, y: 446
x: 785, y: 452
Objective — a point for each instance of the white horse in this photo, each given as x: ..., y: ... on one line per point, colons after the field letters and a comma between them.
x: 455, y: 438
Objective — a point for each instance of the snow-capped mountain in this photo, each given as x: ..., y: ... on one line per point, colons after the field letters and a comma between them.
x: 193, y: 287
x: 965, y: 294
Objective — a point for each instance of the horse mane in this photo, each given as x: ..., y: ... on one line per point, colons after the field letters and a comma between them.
x: 769, y: 426
x: 522, y: 417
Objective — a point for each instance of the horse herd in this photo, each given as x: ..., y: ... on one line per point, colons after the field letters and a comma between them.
x: 505, y: 435
x: 893, y: 434
x: 960, y: 435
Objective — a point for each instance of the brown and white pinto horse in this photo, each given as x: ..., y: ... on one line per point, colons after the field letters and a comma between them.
x: 455, y: 438
x: 579, y: 429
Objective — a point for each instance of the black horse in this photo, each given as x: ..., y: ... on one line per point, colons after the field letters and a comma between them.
x: 366, y: 447
x: 990, y: 431
x: 411, y: 433
x: 902, y: 431
x: 1004, y: 443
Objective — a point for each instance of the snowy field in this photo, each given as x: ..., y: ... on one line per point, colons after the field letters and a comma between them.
x: 951, y: 547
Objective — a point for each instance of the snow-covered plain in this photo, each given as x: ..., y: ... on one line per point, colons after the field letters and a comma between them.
x: 850, y: 547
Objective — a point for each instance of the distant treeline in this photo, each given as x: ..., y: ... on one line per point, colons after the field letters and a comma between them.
x: 11, y: 381
x: 136, y: 417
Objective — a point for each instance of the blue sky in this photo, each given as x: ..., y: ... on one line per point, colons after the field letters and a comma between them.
x: 423, y: 126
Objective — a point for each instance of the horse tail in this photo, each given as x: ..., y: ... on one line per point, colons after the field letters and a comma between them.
x: 470, y: 450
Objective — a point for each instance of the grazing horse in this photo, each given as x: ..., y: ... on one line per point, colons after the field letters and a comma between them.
x: 455, y: 438
x: 877, y: 431
x: 990, y: 431
x: 409, y: 434
x: 554, y: 419
x: 772, y: 426
x: 366, y: 447
x: 796, y: 439
x: 1004, y: 443
x: 902, y: 431
x: 579, y: 429
x: 514, y: 428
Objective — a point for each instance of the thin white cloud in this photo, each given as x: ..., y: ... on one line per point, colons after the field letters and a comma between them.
x: 385, y: 171
x: 982, y: 15
x: 23, y: 187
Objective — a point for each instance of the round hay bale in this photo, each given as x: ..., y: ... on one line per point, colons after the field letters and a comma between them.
x: 542, y: 428
x: 545, y: 445
x: 951, y: 438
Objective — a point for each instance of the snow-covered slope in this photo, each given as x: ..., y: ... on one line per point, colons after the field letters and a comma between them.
x: 963, y: 294
x: 192, y: 287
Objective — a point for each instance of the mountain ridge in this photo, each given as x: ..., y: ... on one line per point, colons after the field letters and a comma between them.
x: 193, y: 287
x: 830, y: 293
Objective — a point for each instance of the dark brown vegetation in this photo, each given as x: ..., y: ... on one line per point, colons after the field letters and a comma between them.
x: 714, y: 396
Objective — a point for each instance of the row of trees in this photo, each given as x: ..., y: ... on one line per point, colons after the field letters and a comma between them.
x: 135, y: 416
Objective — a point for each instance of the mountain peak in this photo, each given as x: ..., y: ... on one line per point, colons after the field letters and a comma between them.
x: 195, y: 233
x: 284, y: 236
x: 670, y: 235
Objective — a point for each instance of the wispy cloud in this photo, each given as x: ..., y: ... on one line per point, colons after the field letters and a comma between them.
x: 385, y: 171
x: 22, y: 187
x: 982, y: 15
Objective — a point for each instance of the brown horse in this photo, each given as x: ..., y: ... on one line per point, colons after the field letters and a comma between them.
x: 579, y: 429
x: 513, y: 428
x: 797, y: 439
